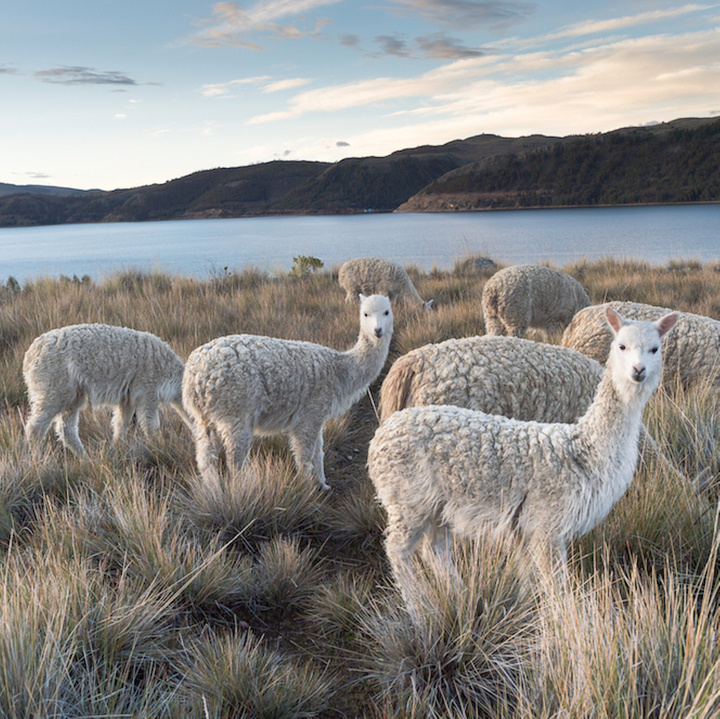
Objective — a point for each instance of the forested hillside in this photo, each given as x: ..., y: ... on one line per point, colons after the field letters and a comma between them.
x: 679, y: 162
x: 672, y: 162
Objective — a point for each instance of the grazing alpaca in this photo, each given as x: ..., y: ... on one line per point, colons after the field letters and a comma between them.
x: 525, y: 296
x: 370, y: 275
x: 69, y: 366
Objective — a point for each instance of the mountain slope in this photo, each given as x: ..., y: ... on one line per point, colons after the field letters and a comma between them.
x: 673, y: 162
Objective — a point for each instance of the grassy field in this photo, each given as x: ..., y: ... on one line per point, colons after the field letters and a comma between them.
x: 129, y: 591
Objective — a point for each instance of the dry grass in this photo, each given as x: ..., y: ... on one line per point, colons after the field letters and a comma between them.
x: 130, y: 589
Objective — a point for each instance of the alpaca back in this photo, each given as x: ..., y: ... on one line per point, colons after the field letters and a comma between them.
x: 498, y: 375
x: 109, y: 364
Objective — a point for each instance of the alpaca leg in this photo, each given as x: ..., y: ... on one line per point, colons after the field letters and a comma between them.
x: 66, y: 427
x: 39, y: 421
x: 400, y: 545
x: 122, y: 416
x: 237, y: 441
x: 207, y: 452
x: 148, y: 418
x: 493, y: 326
x: 307, y: 448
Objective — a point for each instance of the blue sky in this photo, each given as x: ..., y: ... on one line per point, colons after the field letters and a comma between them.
x: 108, y: 95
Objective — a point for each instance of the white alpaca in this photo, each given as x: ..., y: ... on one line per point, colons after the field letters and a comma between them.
x: 239, y: 385
x: 69, y: 366
x: 691, y: 353
x: 440, y: 470
x: 523, y: 296
x: 510, y: 376
x: 373, y: 275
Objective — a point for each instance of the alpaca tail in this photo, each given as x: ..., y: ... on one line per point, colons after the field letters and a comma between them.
x: 396, y: 389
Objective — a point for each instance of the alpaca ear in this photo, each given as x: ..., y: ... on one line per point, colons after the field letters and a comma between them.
x: 614, y: 319
x: 362, y: 297
x: 666, y: 323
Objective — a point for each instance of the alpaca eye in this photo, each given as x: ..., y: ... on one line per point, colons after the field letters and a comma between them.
x: 621, y: 347
x: 654, y: 350
x: 387, y: 312
x: 366, y: 314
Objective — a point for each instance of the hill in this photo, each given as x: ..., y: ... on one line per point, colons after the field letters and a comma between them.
x: 669, y: 163
x: 280, y: 187
x: 9, y: 189
x: 672, y: 162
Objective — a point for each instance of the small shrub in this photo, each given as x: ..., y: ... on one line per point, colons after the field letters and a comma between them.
x: 304, y: 265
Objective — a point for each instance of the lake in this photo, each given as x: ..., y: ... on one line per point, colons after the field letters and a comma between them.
x: 199, y: 248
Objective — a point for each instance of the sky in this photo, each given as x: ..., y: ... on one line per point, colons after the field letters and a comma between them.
x: 113, y: 95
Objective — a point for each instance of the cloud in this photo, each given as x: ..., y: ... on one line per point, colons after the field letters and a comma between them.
x: 444, y: 48
x: 224, y: 90
x: 393, y: 45
x: 593, y: 27
x: 469, y: 13
x: 233, y: 25
x: 608, y: 81
x: 290, y: 84
x: 83, y: 76
x: 350, y: 41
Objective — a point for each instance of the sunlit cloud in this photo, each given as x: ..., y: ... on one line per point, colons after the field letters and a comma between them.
x: 281, y: 85
x: 225, y: 90
x: 655, y: 71
x: 594, y: 27
x: 234, y: 25
x: 83, y: 76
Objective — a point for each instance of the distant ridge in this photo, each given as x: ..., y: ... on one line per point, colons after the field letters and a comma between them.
x: 9, y: 189
x: 670, y: 162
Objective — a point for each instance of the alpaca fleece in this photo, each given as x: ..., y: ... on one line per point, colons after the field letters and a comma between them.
x: 368, y: 275
x: 440, y: 470
x: 68, y: 367
x: 524, y: 296
x: 239, y: 385
x: 691, y: 352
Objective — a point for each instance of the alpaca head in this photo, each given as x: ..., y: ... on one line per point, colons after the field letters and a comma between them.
x: 376, y: 317
x: 636, y: 353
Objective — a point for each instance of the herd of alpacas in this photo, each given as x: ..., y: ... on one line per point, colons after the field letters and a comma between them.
x: 495, y: 432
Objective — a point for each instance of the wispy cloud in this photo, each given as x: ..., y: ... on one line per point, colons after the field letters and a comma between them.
x: 594, y: 27
x: 600, y: 80
x: 83, y: 76
x: 281, y: 85
x: 225, y: 90
x: 234, y: 25
x: 470, y: 13
x: 445, y: 48
x: 393, y: 45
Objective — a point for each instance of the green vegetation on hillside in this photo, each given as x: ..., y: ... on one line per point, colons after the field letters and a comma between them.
x: 624, y: 167
x: 673, y: 162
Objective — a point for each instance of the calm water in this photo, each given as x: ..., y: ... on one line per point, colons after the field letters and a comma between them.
x: 200, y: 247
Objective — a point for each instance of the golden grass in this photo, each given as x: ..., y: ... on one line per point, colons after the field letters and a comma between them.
x: 130, y: 589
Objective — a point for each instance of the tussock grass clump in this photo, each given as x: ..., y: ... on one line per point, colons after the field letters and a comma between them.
x: 265, y: 498
x: 236, y: 675
x: 129, y: 588
x: 628, y: 644
x: 461, y: 648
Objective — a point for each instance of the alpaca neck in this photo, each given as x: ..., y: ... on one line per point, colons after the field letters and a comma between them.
x: 614, y: 418
x: 367, y: 358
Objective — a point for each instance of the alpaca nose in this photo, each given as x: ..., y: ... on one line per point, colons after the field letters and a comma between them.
x: 638, y: 373
x: 378, y: 331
